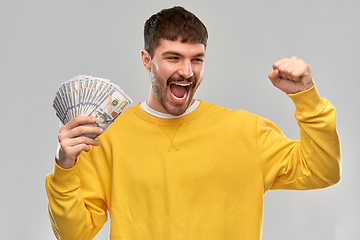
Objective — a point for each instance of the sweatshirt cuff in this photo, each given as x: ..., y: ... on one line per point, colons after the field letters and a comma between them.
x: 64, y: 178
x: 307, y: 102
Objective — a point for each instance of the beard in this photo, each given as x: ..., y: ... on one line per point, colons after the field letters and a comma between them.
x: 161, y: 91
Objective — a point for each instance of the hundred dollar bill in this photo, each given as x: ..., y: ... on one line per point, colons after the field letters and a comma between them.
x: 90, y: 96
x: 109, y: 109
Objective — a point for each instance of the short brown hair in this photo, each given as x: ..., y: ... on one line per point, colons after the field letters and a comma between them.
x: 170, y: 24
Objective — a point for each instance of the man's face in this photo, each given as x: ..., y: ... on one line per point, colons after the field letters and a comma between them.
x: 176, y: 72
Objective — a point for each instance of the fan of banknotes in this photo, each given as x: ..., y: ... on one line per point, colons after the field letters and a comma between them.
x: 90, y: 96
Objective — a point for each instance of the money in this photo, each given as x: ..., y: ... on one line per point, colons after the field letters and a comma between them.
x: 85, y: 95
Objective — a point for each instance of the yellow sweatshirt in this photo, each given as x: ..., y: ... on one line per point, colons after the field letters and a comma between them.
x: 200, y: 176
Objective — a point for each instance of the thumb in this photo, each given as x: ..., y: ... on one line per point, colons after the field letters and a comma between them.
x: 273, y: 75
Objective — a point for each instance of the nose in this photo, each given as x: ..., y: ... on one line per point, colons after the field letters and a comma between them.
x: 186, y: 70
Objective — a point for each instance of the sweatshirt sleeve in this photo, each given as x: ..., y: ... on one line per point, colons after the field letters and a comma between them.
x: 76, y: 210
x: 311, y: 163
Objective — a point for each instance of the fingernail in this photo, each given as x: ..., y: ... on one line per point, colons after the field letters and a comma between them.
x: 101, y: 130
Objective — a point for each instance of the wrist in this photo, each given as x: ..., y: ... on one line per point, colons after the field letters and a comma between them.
x: 65, y: 164
x: 307, y: 102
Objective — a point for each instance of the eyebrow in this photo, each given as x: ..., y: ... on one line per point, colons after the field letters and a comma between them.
x: 180, y: 55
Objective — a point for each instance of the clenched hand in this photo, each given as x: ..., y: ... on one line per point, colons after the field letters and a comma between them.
x: 291, y: 75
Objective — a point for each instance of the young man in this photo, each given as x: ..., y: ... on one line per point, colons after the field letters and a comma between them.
x: 188, y: 169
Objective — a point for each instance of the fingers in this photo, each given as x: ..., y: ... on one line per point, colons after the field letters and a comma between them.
x: 78, y: 131
x: 80, y: 120
x: 72, y: 142
x: 77, y: 127
x: 279, y: 62
x: 291, y: 75
x: 67, y: 155
x: 293, y: 69
x: 70, y: 148
x: 301, y: 71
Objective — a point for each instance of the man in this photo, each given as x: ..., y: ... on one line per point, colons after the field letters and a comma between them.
x: 173, y: 167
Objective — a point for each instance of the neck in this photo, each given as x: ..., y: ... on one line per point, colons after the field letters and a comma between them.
x: 153, y: 103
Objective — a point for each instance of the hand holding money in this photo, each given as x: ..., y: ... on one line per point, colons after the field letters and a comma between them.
x: 86, y: 106
x: 72, y: 140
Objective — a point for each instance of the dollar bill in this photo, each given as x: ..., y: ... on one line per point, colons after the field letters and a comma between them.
x: 85, y: 95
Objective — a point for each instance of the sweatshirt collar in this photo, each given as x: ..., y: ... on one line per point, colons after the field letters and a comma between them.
x: 198, y: 109
x: 144, y: 106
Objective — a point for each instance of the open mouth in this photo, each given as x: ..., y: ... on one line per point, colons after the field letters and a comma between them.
x: 179, y: 91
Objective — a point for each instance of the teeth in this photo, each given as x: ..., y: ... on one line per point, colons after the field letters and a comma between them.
x: 182, y: 84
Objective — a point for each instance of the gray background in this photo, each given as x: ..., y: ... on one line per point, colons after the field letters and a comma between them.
x: 43, y: 43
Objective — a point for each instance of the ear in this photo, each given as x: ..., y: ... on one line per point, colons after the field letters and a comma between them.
x: 146, y: 59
